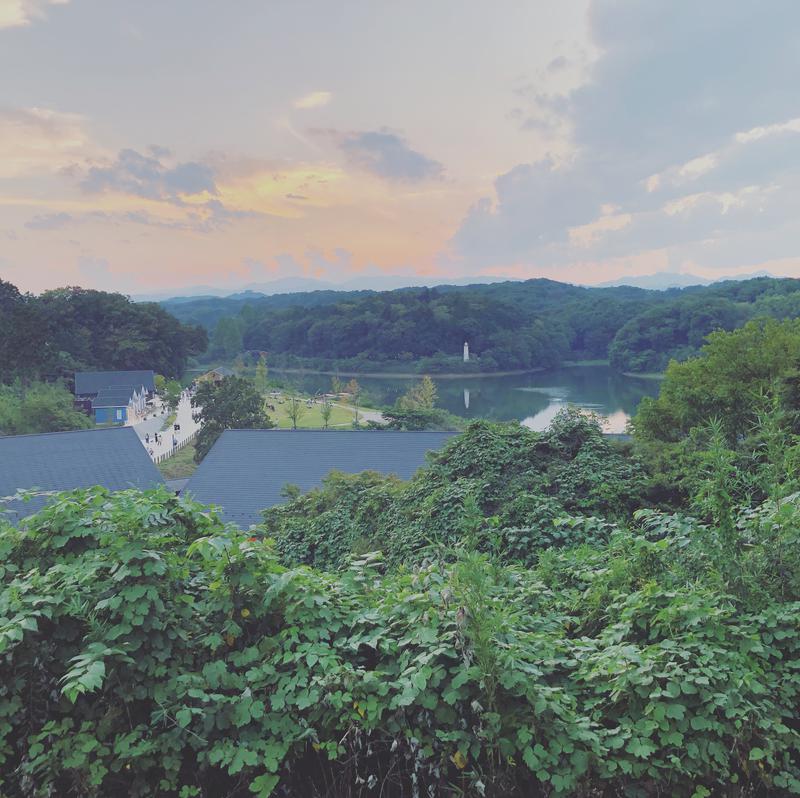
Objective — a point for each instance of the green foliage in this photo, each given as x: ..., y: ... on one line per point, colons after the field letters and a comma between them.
x: 512, y: 325
x: 672, y: 331
x: 39, y: 407
x: 420, y: 396
x: 226, y: 340
x: 172, y: 394
x: 416, y: 410
x: 419, y: 419
x: 326, y: 411
x: 295, y: 409
x: 412, y: 324
x: 741, y: 394
x: 727, y: 381
x: 520, y: 481
x: 232, y: 403
x: 261, y: 374
x: 146, y: 649
x: 70, y: 329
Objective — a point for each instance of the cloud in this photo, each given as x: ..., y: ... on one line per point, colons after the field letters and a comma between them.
x: 49, y: 221
x: 41, y: 141
x: 684, y: 101
x: 19, y: 13
x: 149, y: 177
x: 386, y: 155
x: 558, y: 64
x: 316, y: 99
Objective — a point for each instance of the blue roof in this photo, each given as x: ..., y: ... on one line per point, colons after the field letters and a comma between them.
x: 246, y: 470
x: 113, y: 458
x: 91, y: 382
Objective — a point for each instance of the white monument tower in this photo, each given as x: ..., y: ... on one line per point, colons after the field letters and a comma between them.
x: 466, y: 352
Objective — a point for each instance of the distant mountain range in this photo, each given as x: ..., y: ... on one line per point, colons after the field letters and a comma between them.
x: 293, y: 285
x: 661, y: 281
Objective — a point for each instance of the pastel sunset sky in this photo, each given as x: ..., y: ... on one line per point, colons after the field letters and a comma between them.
x: 158, y: 144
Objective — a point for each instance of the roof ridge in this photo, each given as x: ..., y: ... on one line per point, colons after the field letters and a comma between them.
x: 381, y: 431
x: 64, y: 432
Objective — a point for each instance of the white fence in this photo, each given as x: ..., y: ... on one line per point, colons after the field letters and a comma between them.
x: 159, y: 458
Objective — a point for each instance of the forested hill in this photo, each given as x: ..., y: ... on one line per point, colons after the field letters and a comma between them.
x: 509, y: 325
x: 52, y: 335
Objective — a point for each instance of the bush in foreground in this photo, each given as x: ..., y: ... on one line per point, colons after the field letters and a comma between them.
x: 147, y: 650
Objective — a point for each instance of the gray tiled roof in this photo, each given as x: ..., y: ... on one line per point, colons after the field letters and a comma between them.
x: 115, y: 396
x: 90, y: 382
x: 113, y: 458
x: 246, y: 470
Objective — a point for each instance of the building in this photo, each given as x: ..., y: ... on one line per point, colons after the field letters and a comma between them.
x: 217, y: 374
x: 112, y: 458
x: 89, y: 383
x: 246, y: 470
x: 114, y: 397
x: 117, y: 405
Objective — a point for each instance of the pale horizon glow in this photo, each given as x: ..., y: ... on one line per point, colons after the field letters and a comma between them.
x: 153, y: 148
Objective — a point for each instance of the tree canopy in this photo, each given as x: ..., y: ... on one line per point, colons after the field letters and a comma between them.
x: 233, y: 403
x: 73, y: 329
x: 509, y: 325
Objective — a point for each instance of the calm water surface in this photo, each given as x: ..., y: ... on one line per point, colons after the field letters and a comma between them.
x: 531, y: 398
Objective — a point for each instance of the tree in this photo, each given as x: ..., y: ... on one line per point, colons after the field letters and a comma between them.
x: 261, y: 374
x: 103, y: 331
x: 325, y: 411
x: 172, y: 395
x: 336, y: 385
x: 421, y: 396
x: 41, y: 407
x: 226, y: 340
x: 296, y: 409
x: 419, y: 419
x: 725, y: 382
x: 233, y: 403
x: 160, y: 382
x: 354, y: 389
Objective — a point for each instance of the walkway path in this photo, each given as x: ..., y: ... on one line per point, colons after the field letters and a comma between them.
x: 364, y: 415
x: 188, y: 426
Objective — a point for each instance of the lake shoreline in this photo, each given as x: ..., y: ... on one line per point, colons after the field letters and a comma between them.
x: 645, y: 375
x: 415, y: 375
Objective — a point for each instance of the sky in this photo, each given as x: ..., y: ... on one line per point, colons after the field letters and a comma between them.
x: 155, y: 145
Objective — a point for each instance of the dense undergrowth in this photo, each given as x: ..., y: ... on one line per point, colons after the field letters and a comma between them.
x: 512, y: 621
x: 517, y: 491
x: 148, y: 650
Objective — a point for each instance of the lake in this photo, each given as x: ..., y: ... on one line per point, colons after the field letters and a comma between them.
x: 532, y: 398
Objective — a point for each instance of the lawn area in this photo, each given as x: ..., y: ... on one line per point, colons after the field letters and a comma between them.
x: 180, y: 465
x: 312, y: 416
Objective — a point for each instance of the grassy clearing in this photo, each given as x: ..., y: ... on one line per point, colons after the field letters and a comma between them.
x: 180, y: 465
x: 312, y: 416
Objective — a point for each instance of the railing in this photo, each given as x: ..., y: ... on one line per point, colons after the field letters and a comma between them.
x: 159, y: 458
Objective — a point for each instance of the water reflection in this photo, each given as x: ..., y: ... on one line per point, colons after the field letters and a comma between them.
x: 533, y: 399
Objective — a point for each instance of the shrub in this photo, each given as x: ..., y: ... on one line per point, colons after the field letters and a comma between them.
x: 147, y: 649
